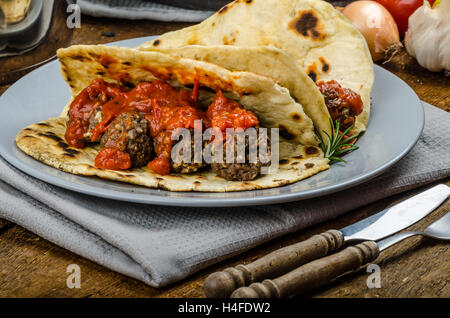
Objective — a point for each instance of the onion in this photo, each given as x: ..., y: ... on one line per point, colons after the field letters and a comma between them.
x: 376, y: 25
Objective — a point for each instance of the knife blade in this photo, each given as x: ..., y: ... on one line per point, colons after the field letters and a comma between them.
x: 375, y: 227
x: 398, y: 217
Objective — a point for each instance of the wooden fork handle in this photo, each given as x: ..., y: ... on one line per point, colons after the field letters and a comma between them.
x: 313, y: 274
x: 222, y: 284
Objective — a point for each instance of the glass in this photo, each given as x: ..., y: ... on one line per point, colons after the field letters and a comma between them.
x: 32, y: 38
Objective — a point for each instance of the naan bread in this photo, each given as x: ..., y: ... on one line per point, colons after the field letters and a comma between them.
x: 324, y: 43
x: 299, y: 154
x: 45, y: 142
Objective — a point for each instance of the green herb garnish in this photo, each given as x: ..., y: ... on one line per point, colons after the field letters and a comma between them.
x: 337, y: 145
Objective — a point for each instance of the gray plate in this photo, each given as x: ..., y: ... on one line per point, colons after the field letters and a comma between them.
x: 33, y: 14
x: 395, y: 125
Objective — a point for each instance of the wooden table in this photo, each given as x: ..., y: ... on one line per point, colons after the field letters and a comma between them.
x: 33, y: 267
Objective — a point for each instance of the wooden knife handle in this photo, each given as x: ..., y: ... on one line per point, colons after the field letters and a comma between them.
x: 222, y: 284
x: 313, y: 274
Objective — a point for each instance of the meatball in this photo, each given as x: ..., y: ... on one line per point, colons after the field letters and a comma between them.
x: 178, y: 164
x: 242, y: 171
x: 129, y: 133
x: 95, y: 118
x: 343, y: 115
x: 343, y: 104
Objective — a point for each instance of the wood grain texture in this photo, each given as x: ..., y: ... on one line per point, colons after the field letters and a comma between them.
x: 33, y: 267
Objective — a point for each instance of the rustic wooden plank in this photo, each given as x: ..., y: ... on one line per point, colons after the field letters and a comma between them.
x: 433, y: 88
x: 4, y: 88
x: 33, y: 267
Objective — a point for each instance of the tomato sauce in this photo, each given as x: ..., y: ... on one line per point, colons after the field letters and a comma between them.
x: 225, y: 113
x: 163, y: 147
x: 165, y: 108
x: 112, y: 158
x: 81, y: 109
x: 343, y: 104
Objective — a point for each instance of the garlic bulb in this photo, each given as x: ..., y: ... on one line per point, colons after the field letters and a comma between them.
x: 428, y: 36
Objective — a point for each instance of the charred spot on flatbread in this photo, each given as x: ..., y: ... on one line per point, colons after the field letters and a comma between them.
x: 51, y: 136
x: 157, y: 42
x: 312, y: 72
x: 63, y: 145
x: 228, y: 41
x: 72, y: 151
x: 308, y: 25
x: 311, y: 151
x: 309, y: 165
x: 80, y: 58
x: 296, y: 117
x: 325, y: 65
x: 285, y: 133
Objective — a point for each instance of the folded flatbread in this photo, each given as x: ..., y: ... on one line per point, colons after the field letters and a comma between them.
x: 300, y: 156
x: 322, y: 41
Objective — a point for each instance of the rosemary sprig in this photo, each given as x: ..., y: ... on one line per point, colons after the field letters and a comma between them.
x: 337, y: 145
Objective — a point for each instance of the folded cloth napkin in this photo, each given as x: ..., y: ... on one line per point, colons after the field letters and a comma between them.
x: 139, y: 9
x: 21, y: 44
x: 160, y: 245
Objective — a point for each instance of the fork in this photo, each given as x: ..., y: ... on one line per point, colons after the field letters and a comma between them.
x: 321, y: 271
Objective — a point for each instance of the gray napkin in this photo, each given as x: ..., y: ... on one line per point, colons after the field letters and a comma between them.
x: 160, y: 245
x: 139, y: 9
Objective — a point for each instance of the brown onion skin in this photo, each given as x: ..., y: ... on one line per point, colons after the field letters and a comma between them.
x: 376, y: 24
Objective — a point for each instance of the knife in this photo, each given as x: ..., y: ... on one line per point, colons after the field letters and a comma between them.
x: 376, y: 227
x: 318, y: 272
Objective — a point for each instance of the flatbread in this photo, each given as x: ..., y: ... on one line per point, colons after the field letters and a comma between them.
x: 81, y: 64
x: 324, y: 43
x: 300, y: 156
x: 45, y: 142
